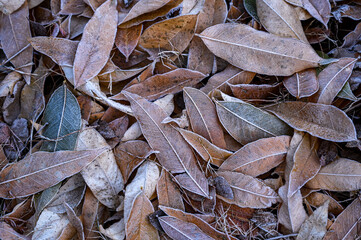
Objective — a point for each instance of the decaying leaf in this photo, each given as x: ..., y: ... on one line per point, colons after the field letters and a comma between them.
x: 127, y: 39
x: 302, y: 84
x: 102, y: 176
x: 97, y: 41
x: 203, y: 116
x: 315, y: 226
x: 168, y: 193
x: 248, y: 191
x: 14, y: 32
x: 258, y: 157
x: 319, y: 120
x: 10, y: 6
x: 246, y: 123
x: 138, y: 226
x: 49, y: 225
x: 340, y: 175
x: 347, y: 224
x: 250, y: 50
x: 178, y: 229
x: 26, y: 177
x: 174, y: 153
x: 278, y: 17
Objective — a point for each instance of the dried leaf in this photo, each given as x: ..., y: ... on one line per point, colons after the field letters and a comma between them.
x: 231, y: 75
x: 10, y: 6
x: 75, y: 221
x: 138, y: 226
x: 291, y: 213
x: 204, y: 148
x: 144, y: 181
x: 63, y: 121
x: 116, y: 231
x: 7, y: 85
x: 168, y: 83
x: 102, y: 176
x: 7, y: 232
x: 71, y: 193
x: 168, y: 193
x: 253, y: 91
x: 319, y: 9
x: 246, y: 123
x: 302, y: 84
x: 250, y: 50
x: 347, y: 224
x: 315, y: 226
x: 49, y: 225
x: 333, y: 78
x: 163, y: 36
x: 127, y: 39
x: 89, y: 214
x: 323, y: 121
x: 26, y: 177
x: 280, y: 18
x: 346, y: 93
x: 340, y: 175
x: 69, y: 7
x: 351, y: 38
x: 203, y: 116
x: 181, y: 230
x: 258, y: 157
x: 97, y: 41
x: 248, y: 191
x: 14, y: 32
x: 316, y: 199
x: 198, y: 221
x: 174, y: 153
x: 129, y: 155
x: 306, y: 163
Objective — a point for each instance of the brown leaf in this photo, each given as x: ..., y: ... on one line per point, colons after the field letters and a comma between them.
x: 246, y: 124
x: 203, y: 116
x: 319, y: 9
x: 332, y: 79
x: 340, y: 175
x: 253, y: 91
x: 192, y: 218
x: 316, y: 199
x: 7, y: 232
x: 181, y: 230
x: 280, y: 18
x: 89, y: 214
x: 250, y: 50
x: 138, y: 226
x: 168, y: 83
x: 258, y: 157
x: 127, y: 39
x: 60, y: 50
x: 75, y: 221
x: 129, y: 155
x: 169, y: 35
x: 315, y: 226
x: 302, y: 84
x: 291, y: 213
x: 69, y: 7
x: 248, y: 191
x: 319, y: 120
x: 347, y: 224
x: 168, y: 193
x: 305, y: 163
x: 351, y: 38
x: 174, y: 152
x: 10, y: 6
x: 14, y: 32
x: 231, y: 75
x: 26, y: 177
x: 97, y: 41
x: 146, y: 10
x: 204, y: 148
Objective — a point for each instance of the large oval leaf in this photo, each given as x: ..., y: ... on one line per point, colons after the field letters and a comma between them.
x: 247, y: 123
x: 251, y: 50
x: 323, y: 121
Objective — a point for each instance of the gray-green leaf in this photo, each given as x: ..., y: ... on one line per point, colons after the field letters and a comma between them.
x: 63, y: 119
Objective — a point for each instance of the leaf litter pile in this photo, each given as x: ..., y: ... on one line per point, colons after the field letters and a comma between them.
x: 171, y: 119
